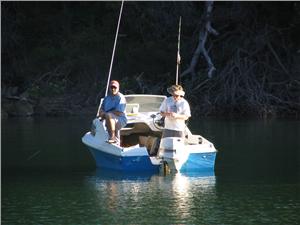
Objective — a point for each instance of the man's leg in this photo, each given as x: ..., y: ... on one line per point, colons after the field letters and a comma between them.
x: 111, y: 126
x: 120, y: 123
x: 117, y: 132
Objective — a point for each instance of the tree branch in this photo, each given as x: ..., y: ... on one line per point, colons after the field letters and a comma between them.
x: 204, y: 31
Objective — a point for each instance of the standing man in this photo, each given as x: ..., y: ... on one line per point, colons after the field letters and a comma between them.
x: 176, y: 111
x: 112, y: 111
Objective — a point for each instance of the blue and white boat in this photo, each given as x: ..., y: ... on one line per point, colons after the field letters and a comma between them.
x: 142, y: 148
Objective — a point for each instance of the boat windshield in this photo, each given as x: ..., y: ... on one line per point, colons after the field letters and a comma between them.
x: 143, y: 103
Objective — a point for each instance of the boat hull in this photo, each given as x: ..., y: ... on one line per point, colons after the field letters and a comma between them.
x: 199, y: 162
x: 123, y: 163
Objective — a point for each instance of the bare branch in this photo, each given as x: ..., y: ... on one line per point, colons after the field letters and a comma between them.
x: 277, y: 58
x: 204, y: 31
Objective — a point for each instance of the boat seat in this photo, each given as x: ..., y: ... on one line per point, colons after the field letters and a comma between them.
x: 132, y: 108
x: 133, y: 128
x: 151, y: 143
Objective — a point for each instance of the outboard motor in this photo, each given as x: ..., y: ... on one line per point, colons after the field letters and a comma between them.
x: 172, y: 152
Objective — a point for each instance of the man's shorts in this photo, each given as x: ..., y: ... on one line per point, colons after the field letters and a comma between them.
x: 120, y: 121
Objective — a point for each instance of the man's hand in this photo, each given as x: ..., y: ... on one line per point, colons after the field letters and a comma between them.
x: 101, y: 115
x: 173, y: 115
x: 169, y: 114
x: 117, y: 113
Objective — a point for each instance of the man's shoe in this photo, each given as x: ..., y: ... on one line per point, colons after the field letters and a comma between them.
x: 111, y: 141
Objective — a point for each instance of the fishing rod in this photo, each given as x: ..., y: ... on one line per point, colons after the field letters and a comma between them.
x: 112, y: 56
x: 178, y: 51
x: 113, y: 53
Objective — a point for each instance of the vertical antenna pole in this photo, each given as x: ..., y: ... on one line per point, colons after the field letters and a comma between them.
x: 178, y: 51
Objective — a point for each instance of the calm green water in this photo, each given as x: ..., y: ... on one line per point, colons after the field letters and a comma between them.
x: 48, y: 177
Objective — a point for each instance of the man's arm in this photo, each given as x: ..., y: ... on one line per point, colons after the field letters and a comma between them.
x: 175, y: 115
x: 117, y: 113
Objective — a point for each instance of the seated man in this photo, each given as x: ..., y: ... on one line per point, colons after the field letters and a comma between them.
x: 113, y: 111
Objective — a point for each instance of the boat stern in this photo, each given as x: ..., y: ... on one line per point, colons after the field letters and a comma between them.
x: 172, y: 151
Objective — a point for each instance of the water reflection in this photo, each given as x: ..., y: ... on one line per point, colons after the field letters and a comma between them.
x: 182, y: 181
x: 106, y: 174
x: 257, y: 181
x: 190, y: 192
x: 115, y: 189
x: 119, y: 198
x: 174, y: 197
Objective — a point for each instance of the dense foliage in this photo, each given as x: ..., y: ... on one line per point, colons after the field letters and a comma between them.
x: 63, y: 50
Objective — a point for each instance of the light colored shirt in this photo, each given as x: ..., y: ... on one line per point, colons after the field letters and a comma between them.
x: 181, y: 107
x: 115, y: 103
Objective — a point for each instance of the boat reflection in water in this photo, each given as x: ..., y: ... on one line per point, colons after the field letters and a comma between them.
x: 192, y: 192
x: 174, y: 195
x: 115, y: 175
x: 101, y: 174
